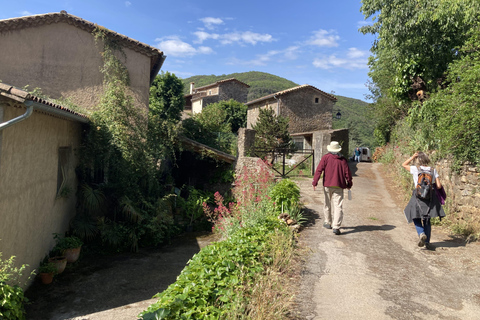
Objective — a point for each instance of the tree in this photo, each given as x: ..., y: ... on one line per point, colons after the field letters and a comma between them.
x: 271, y: 131
x: 166, y: 104
x: 416, y: 40
x: 236, y: 114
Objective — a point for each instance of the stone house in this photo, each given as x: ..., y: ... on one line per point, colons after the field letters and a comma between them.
x: 219, y: 91
x: 309, y: 111
x: 39, y: 139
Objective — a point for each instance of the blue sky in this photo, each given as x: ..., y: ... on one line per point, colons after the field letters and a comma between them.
x: 312, y: 42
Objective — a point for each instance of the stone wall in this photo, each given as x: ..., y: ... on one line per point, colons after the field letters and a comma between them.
x: 304, y: 113
x: 306, y: 109
x: 321, y: 139
x: 462, y: 188
x: 233, y: 90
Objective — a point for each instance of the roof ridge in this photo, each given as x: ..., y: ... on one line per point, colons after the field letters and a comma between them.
x: 282, y: 92
x: 63, y: 16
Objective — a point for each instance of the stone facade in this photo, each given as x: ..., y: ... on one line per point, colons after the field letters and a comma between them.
x: 307, y: 108
x: 462, y: 188
x: 219, y: 91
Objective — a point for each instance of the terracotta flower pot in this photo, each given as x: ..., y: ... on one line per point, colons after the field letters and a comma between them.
x: 72, y: 254
x: 46, y: 278
x: 59, y: 262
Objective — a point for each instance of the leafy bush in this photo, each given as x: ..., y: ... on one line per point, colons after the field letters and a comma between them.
x: 12, y: 297
x: 285, y: 193
x: 211, y: 283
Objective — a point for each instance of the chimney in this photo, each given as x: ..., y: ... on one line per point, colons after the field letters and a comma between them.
x: 192, y: 85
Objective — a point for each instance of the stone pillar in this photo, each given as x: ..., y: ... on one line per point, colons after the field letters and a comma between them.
x: 246, y: 140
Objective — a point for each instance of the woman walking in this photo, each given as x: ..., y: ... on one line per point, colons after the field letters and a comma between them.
x: 421, y: 209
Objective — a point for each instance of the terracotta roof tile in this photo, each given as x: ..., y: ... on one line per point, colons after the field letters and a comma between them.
x: 22, y: 96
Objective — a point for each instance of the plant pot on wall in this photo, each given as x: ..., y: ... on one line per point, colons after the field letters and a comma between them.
x: 60, y: 263
x: 72, y: 254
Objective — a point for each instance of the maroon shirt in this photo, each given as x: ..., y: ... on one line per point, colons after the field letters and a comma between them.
x: 336, y: 172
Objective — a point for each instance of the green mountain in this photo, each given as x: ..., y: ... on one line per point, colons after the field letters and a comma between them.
x: 355, y: 113
x: 261, y: 83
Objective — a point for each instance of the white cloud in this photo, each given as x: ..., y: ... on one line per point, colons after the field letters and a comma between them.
x: 26, y: 13
x: 354, y: 59
x: 324, y: 38
x: 210, y: 22
x: 263, y: 59
x: 175, y: 47
x: 128, y: 4
x: 202, y: 36
x: 245, y: 37
x: 354, y: 53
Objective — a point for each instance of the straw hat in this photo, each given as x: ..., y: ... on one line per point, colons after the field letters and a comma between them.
x: 334, y: 146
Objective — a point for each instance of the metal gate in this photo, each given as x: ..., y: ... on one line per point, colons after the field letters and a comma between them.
x: 279, y: 156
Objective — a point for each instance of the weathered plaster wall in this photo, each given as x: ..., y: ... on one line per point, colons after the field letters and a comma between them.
x: 29, y: 209
x: 63, y: 61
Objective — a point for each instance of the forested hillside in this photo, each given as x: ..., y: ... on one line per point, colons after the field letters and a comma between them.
x: 355, y: 113
x: 261, y: 83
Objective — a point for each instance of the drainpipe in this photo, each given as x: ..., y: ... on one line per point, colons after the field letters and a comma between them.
x: 28, y: 113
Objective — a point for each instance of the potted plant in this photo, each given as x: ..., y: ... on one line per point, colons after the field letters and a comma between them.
x: 46, y: 272
x: 70, y: 247
x: 60, y: 263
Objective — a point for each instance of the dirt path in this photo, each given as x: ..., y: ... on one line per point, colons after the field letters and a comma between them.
x: 113, y: 287
x: 374, y: 269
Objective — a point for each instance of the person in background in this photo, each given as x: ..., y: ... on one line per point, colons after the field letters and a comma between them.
x: 336, y: 177
x: 358, y: 153
x: 418, y: 210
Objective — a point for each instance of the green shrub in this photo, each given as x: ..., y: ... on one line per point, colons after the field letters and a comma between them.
x: 12, y: 298
x: 214, y: 279
x: 285, y: 194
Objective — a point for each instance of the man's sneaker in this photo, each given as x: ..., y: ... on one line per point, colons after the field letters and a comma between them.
x: 336, y: 231
x: 423, y: 238
x: 327, y: 225
x: 429, y: 246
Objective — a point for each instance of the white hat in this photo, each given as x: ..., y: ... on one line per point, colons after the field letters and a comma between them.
x: 334, y: 146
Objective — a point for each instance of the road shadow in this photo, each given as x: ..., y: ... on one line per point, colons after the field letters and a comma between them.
x: 353, y: 167
x: 311, y: 216
x: 98, y: 282
x: 366, y: 228
x: 453, y: 242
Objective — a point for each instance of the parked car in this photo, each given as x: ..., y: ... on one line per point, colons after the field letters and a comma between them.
x: 365, y: 154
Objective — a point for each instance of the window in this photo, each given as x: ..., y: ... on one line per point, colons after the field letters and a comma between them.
x: 209, y: 92
x: 298, y: 143
x: 316, y: 100
x: 63, y: 161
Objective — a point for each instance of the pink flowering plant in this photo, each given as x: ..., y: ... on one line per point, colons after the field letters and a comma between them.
x: 253, y: 203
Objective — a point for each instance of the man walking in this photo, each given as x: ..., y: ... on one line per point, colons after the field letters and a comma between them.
x: 336, y: 177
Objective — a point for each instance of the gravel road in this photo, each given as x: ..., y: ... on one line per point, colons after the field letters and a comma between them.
x: 374, y: 269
